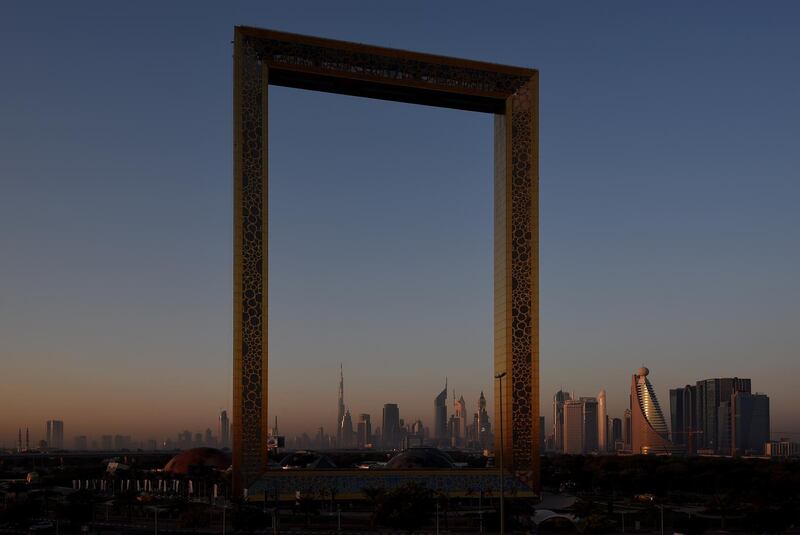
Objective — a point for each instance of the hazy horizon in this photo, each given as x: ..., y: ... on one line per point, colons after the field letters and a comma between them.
x: 670, y: 234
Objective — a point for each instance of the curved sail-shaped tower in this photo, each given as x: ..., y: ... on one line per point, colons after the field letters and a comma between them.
x: 650, y: 433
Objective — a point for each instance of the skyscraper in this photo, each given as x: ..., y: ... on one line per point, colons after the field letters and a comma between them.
x: 346, y: 431
x: 602, y: 421
x: 710, y: 393
x: 724, y: 431
x: 340, y: 415
x: 224, y: 430
x: 558, y: 418
x: 616, y: 434
x: 390, y: 427
x: 683, y: 417
x: 55, y: 434
x: 750, y: 423
x: 364, y: 431
x: 440, y: 416
x: 573, y: 427
x: 484, y: 426
x: 460, y: 410
x: 627, y: 432
x: 541, y: 434
x: 649, y: 432
x: 590, y: 424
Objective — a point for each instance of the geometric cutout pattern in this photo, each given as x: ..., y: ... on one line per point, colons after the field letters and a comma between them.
x: 265, y: 57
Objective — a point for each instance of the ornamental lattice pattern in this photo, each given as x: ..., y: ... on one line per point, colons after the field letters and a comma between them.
x: 522, y: 298
x: 342, y: 62
x: 249, y: 445
x: 516, y: 210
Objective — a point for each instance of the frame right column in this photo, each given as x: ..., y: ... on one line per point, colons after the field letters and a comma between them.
x: 516, y: 280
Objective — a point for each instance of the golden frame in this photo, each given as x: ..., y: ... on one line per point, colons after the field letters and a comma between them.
x: 265, y: 57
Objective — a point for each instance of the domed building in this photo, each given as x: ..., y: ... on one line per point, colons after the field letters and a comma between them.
x: 197, y: 460
x: 415, y: 458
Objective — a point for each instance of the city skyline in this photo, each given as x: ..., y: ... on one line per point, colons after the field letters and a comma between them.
x: 116, y: 302
x: 685, y: 423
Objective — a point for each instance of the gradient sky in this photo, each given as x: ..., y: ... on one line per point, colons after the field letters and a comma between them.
x: 670, y: 232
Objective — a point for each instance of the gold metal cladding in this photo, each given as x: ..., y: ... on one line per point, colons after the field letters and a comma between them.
x: 264, y: 57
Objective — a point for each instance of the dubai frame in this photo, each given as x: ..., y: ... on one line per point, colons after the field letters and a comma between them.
x: 263, y: 58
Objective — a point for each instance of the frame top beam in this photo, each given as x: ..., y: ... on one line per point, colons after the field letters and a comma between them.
x: 355, y: 69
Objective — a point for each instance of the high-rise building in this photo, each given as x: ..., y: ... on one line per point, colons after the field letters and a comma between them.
x: 558, y: 418
x: 340, y: 414
x: 750, y: 423
x: 414, y: 435
x: 346, y: 431
x: 55, y: 434
x: 710, y: 393
x: 590, y: 424
x: 683, y: 417
x: 602, y: 421
x: 724, y: 431
x: 224, y: 430
x: 649, y: 431
x: 616, y: 434
x: 454, y: 428
x: 460, y: 413
x: 364, y: 431
x: 627, y: 432
x: 107, y: 442
x: 440, y: 427
x: 390, y: 439
x: 541, y: 434
x: 484, y: 426
x: 573, y: 427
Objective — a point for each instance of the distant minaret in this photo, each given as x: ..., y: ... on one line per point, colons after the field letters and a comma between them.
x: 27, y: 439
x: 340, y: 417
x: 19, y: 441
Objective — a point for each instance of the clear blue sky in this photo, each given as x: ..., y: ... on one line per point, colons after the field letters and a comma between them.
x: 670, y: 232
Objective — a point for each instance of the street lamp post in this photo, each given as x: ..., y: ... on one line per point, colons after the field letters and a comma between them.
x: 499, y: 377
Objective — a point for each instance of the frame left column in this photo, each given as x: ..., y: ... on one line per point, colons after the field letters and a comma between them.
x: 250, y: 283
